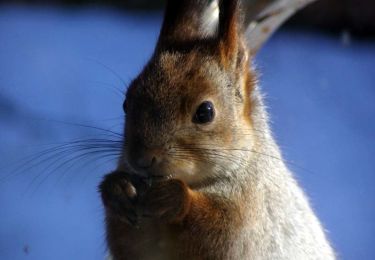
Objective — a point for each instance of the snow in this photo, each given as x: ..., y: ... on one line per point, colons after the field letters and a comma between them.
x: 66, y: 65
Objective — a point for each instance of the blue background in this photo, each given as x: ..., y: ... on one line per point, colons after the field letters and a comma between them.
x: 61, y: 65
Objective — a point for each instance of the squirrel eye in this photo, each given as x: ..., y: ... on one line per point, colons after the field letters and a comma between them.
x: 125, y: 106
x: 205, y: 113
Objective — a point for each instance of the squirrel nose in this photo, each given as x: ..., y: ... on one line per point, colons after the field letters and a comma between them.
x: 144, y: 158
x: 146, y: 161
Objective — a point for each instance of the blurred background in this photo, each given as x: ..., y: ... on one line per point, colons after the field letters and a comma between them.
x: 64, y: 66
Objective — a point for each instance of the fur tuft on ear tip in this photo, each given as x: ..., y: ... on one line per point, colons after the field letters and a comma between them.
x: 184, y: 20
x: 228, y: 16
x: 229, y: 28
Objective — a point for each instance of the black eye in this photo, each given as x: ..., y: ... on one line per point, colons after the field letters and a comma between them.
x: 205, y: 113
x: 125, y: 106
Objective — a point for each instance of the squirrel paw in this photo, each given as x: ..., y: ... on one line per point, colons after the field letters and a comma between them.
x: 168, y: 200
x: 119, y: 196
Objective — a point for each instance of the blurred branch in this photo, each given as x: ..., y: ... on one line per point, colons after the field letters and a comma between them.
x: 263, y: 17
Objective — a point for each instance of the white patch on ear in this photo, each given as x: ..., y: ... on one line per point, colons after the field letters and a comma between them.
x: 210, y: 19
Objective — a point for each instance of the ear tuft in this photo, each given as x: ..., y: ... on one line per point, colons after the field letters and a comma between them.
x: 229, y: 28
x: 182, y: 21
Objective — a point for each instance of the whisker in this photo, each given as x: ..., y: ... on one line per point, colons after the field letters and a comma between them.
x: 111, y: 87
x: 58, y: 152
x: 60, y: 162
x: 219, y: 152
x: 109, y: 69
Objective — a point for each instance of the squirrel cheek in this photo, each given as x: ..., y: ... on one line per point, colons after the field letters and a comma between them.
x: 186, y: 170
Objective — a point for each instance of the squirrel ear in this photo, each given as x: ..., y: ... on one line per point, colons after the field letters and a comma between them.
x: 184, y: 20
x: 229, y: 30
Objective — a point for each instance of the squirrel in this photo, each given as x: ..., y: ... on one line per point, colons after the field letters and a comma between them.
x: 200, y: 175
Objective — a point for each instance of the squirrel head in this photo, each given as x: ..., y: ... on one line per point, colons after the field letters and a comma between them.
x: 188, y: 113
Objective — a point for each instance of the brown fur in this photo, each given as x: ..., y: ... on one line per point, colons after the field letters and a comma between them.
x: 208, y: 227
x: 205, y: 193
x: 196, y: 224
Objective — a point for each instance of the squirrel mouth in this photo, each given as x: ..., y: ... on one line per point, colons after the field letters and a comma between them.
x: 161, y: 176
